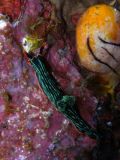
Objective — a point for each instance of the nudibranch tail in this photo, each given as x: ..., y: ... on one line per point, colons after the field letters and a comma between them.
x: 67, y: 106
x: 64, y: 103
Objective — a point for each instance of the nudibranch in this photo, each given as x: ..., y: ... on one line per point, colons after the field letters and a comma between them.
x: 64, y: 103
x: 98, y: 41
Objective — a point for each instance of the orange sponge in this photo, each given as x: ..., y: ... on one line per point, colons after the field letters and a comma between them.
x: 98, y: 39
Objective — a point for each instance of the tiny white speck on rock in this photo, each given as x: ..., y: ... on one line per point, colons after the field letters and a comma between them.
x: 109, y: 124
x: 26, y: 99
x: 3, y: 24
x: 99, y: 108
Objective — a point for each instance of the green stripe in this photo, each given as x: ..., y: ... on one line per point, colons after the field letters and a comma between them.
x: 65, y: 104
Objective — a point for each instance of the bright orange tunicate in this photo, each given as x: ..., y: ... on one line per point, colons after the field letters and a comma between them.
x: 98, y: 39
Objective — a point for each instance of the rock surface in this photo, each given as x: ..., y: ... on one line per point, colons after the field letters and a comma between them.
x: 30, y: 127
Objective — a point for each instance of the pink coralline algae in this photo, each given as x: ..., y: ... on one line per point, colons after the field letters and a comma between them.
x: 11, y: 8
x: 30, y: 127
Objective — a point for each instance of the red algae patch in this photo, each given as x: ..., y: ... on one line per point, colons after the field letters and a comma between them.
x: 12, y: 8
x: 30, y: 127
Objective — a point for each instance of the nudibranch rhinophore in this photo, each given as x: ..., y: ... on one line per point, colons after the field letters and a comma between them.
x: 98, y: 39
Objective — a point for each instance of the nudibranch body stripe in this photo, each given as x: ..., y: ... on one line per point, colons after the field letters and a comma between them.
x: 64, y: 103
x: 101, y: 23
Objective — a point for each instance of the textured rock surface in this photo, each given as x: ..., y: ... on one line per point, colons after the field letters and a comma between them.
x: 30, y: 127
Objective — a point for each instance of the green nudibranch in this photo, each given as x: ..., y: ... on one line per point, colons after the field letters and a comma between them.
x: 64, y: 103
